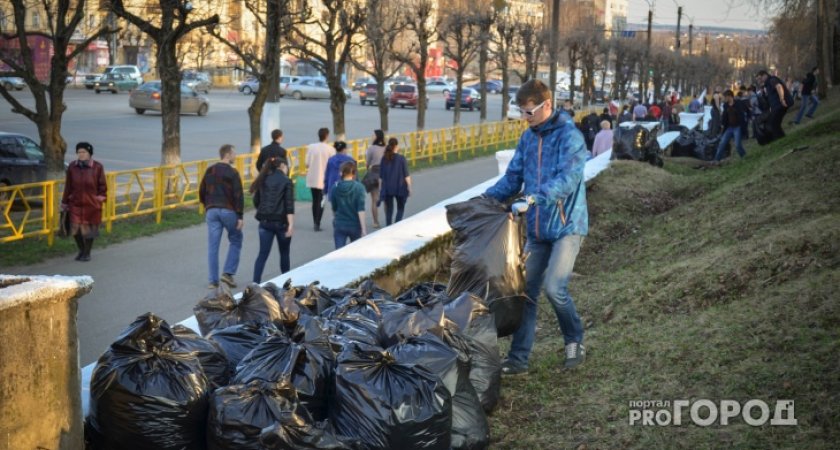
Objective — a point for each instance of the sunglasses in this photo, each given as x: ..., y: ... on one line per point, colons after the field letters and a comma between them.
x: 531, y: 112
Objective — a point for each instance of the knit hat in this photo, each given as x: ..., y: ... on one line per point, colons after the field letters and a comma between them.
x: 86, y: 146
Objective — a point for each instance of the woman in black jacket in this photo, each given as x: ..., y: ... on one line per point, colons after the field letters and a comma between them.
x: 274, y: 198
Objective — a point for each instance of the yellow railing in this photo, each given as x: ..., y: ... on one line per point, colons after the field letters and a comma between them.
x: 31, y: 210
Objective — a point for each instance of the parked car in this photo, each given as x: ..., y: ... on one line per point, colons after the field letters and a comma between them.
x: 493, y: 86
x: 21, y: 160
x: 311, y: 88
x: 368, y: 94
x: 132, y: 72
x: 513, y: 112
x: 402, y: 79
x: 114, y: 82
x: 404, y: 95
x: 439, y: 87
x: 147, y: 97
x: 200, y: 81
x: 469, y: 99
x: 10, y: 83
x: 248, y: 86
x: 361, y: 82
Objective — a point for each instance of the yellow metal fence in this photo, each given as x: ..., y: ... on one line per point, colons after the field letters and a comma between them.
x: 31, y: 210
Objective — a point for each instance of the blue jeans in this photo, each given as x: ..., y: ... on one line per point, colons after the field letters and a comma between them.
x: 389, y: 208
x: 724, y: 140
x: 218, y: 219
x: 804, y: 105
x: 341, y: 234
x: 549, y: 266
x: 269, y: 231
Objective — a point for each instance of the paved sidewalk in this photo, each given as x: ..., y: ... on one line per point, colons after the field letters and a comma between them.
x: 167, y: 273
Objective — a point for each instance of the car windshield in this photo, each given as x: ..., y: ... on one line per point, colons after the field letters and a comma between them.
x: 32, y: 150
x: 404, y: 88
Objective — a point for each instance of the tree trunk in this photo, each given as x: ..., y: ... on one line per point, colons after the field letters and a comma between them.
x: 255, y: 112
x: 503, y: 64
x: 835, y: 73
x: 459, y: 79
x: 54, y: 146
x: 482, y: 80
x: 382, y: 103
x: 337, y: 100
x: 422, y: 104
x: 170, y: 101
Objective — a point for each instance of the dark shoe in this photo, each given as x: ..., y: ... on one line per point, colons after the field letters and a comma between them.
x: 88, y: 247
x: 80, y: 242
x: 228, y: 280
x: 810, y: 117
x: 84, y: 258
x: 212, y: 285
x: 511, y: 369
x: 575, y: 355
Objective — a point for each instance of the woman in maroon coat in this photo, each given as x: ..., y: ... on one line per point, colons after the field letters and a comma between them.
x: 84, y: 194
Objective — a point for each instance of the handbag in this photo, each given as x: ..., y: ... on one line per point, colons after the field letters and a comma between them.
x: 371, y: 179
x: 64, y: 224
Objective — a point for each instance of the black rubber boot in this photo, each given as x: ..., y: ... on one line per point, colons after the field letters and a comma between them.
x: 80, y: 242
x: 86, y: 255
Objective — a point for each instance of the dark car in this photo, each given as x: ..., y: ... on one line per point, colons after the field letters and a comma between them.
x: 404, y: 95
x: 115, y: 82
x: 367, y: 95
x: 493, y: 86
x: 21, y: 160
x: 469, y: 99
x: 10, y: 83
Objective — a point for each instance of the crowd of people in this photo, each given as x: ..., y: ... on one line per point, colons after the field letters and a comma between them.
x: 332, y: 176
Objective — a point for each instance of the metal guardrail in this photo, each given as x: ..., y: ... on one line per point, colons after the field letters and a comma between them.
x: 31, y: 210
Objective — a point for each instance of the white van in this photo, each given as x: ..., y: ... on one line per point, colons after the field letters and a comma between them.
x: 132, y: 72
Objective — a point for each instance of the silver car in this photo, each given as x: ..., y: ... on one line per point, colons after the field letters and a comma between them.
x: 311, y: 88
x: 439, y: 87
x: 147, y: 97
x: 12, y: 83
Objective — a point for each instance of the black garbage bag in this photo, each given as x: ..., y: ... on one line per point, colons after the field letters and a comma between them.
x: 470, y: 429
x: 286, y: 298
x: 637, y: 144
x: 431, y: 353
x: 403, y: 323
x: 707, y: 145
x: 423, y: 295
x: 385, y: 404
x: 351, y: 329
x: 685, y: 144
x: 761, y: 128
x: 487, y: 259
x: 363, y: 306
x: 307, y: 365
x: 209, y: 353
x: 219, y: 309
x: 473, y: 319
x: 240, y: 414
x: 147, y: 392
x: 238, y: 340
x: 312, y: 299
x: 294, y: 432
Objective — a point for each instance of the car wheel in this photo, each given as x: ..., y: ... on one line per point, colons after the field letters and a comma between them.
x: 114, y: 91
x: 202, y: 110
x: 139, y: 110
x: 88, y: 87
x: 8, y: 86
x: 247, y: 90
x: 97, y: 91
x: 297, y: 95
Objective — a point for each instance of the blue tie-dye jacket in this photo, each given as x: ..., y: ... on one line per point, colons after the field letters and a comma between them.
x: 549, y: 160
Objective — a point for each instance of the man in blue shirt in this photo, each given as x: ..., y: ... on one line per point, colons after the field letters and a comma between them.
x: 547, y: 167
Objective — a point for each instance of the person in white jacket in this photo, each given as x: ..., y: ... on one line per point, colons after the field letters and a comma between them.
x: 317, y: 155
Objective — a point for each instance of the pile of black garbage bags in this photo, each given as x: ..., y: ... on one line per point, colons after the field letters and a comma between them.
x: 693, y: 143
x: 306, y: 367
x: 637, y: 144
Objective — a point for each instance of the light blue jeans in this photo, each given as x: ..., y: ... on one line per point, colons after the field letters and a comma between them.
x: 219, y: 219
x: 807, y: 98
x: 549, y: 266
x: 724, y: 140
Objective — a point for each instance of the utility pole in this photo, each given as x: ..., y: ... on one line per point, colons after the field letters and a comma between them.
x: 646, y: 74
x: 690, y: 37
x: 554, y: 49
x: 679, y: 16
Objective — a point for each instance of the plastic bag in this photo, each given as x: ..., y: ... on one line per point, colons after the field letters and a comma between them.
x: 308, y: 366
x: 431, y: 353
x: 220, y: 310
x: 470, y: 429
x: 407, y: 322
x: 386, y: 404
x: 238, y: 340
x: 424, y: 295
x: 147, y: 392
x: 486, y: 260
x: 212, y: 358
x: 312, y: 299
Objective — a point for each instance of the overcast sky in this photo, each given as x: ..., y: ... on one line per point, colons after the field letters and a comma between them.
x: 715, y: 13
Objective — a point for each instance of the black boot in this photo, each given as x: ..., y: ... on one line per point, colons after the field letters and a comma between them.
x: 88, y: 245
x: 80, y: 242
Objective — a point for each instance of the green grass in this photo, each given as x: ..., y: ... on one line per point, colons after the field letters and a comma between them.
x: 698, y: 282
x: 34, y: 250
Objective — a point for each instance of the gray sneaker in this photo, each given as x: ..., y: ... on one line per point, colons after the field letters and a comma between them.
x: 575, y: 355
x: 228, y: 280
x: 509, y: 368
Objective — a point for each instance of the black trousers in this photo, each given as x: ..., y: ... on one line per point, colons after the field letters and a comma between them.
x: 775, y: 122
x: 317, y: 209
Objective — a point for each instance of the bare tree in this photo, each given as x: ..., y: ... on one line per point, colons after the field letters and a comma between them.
x: 382, y: 28
x: 459, y: 33
x: 503, y: 40
x: 483, y: 19
x: 338, y: 23
x: 166, y: 30
x: 262, y: 62
x: 530, y: 42
x: 573, y: 43
x: 590, y: 50
x: 417, y: 16
x: 63, y: 17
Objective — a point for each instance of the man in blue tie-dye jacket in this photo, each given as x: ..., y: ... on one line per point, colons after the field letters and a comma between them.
x: 547, y: 168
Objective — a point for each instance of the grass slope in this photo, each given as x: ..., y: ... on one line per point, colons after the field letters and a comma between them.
x: 718, y: 283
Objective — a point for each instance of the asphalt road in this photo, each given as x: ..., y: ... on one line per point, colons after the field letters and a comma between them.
x: 167, y: 273
x: 125, y: 140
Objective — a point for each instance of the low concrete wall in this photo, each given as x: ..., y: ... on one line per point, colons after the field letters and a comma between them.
x: 40, y: 402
